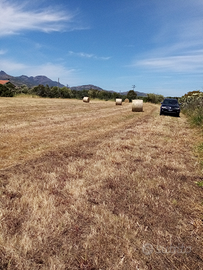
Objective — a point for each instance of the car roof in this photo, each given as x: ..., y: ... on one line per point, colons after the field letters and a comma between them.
x: 170, y: 99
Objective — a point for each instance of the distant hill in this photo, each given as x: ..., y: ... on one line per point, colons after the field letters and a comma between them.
x: 29, y: 81
x: 90, y: 86
x: 34, y: 81
x: 139, y: 94
x: 86, y: 87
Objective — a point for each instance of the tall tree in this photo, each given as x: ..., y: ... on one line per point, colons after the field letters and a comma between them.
x: 131, y: 95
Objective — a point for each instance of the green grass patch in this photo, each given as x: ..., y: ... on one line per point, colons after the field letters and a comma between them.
x: 200, y: 183
x: 197, y: 118
x: 200, y: 147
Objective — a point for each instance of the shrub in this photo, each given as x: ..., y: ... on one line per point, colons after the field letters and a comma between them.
x: 6, y: 91
x: 153, y: 98
x: 131, y: 95
x: 192, y: 107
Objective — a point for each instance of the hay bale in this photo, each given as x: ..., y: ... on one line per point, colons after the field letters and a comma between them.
x: 126, y: 100
x: 119, y: 101
x: 86, y: 99
x: 137, y: 105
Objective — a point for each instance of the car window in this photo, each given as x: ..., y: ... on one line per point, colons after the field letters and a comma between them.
x: 170, y: 102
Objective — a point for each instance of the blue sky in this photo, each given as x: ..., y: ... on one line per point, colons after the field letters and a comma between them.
x: 156, y: 45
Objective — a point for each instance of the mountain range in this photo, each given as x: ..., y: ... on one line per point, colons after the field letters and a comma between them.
x: 34, y: 81
x: 29, y: 81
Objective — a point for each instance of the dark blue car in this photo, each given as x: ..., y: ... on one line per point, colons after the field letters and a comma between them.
x: 170, y: 106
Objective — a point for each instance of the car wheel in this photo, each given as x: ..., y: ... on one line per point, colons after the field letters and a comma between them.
x: 178, y: 114
x: 160, y: 113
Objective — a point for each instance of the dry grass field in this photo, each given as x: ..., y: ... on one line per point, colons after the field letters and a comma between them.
x: 97, y: 187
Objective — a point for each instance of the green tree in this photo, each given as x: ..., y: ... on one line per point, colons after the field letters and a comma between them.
x: 92, y: 93
x: 40, y: 90
x: 65, y: 92
x: 153, y: 98
x: 131, y: 95
x: 54, y: 92
x: 5, y: 91
x: 23, y: 89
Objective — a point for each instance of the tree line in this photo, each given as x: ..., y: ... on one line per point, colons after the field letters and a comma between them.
x: 9, y: 90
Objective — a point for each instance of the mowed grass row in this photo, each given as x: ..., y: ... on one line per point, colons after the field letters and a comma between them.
x: 116, y: 192
x: 32, y: 126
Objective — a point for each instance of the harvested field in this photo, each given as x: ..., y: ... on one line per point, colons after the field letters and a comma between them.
x: 97, y: 186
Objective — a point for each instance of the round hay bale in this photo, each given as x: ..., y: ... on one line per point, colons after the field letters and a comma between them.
x: 119, y: 101
x: 137, y: 105
x: 86, y: 99
x: 126, y: 100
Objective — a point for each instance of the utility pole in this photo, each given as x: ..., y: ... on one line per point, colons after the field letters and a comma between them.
x: 133, y: 87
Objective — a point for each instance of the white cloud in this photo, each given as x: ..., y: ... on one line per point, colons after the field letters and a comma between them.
x: 86, y: 55
x: 178, y: 22
x: 181, y: 63
x: 81, y: 54
x: 16, y: 18
x: 179, y: 39
x: 11, y: 66
x: 3, y: 52
x: 50, y: 70
x: 191, y: 30
x: 53, y: 71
